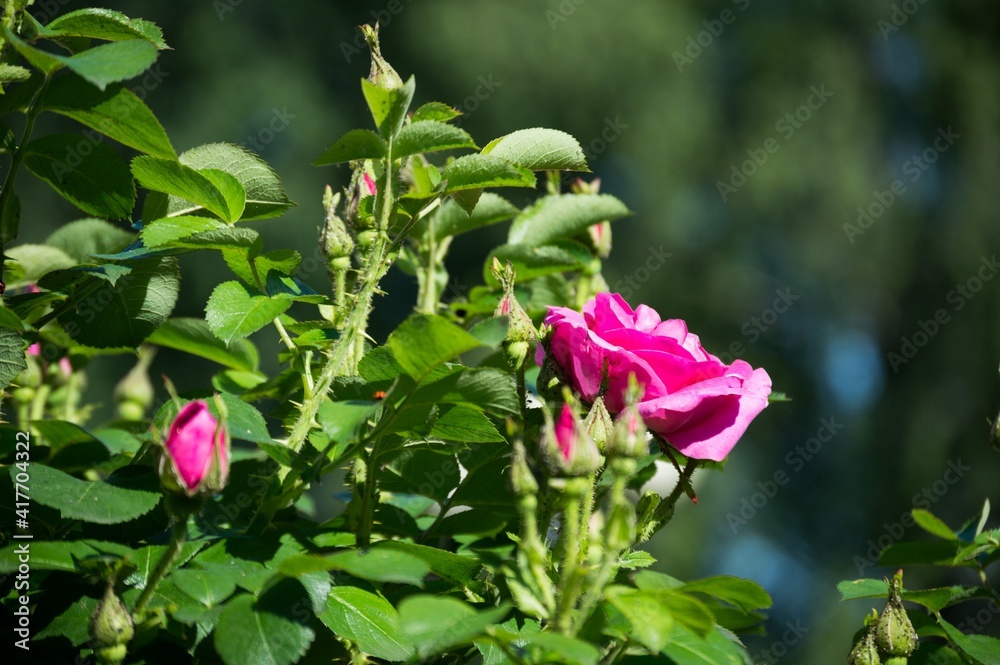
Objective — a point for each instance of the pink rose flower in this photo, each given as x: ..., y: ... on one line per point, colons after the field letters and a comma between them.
x: 700, y: 405
x: 198, y: 449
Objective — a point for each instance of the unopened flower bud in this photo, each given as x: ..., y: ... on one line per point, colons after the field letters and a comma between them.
x: 568, y: 449
x: 864, y: 652
x: 135, y: 392
x: 112, y: 655
x: 522, y: 480
x: 521, y: 333
x: 335, y: 238
x: 196, y: 452
x: 382, y: 74
x: 629, y: 436
x: 894, y: 633
x: 111, y: 623
x: 31, y: 376
x: 599, y: 424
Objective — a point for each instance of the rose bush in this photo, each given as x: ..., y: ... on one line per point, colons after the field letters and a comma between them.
x: 700, y: 405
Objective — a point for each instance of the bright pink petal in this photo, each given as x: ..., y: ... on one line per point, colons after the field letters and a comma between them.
x: 191, y: 443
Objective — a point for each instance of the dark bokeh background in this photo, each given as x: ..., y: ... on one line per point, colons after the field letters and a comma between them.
x: 681, y: 92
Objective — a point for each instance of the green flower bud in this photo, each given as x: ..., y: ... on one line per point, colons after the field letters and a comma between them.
x: 897, y: 660
x: 522, y: 480
x: 31, y: 376
x: 599, y: 424
x: 894, y: 634
x: 864, y: 652
x: 382, y: 74
x: 629, y: 436
x: 135, y: 392
x: 111, y: 623
x: 521, y: 333
x: 335, y: 238
x: 112, y: 655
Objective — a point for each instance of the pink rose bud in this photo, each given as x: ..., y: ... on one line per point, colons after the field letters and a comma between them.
x: 370, y: 187
x: 197, y: 447
x: 35, y: 349
x: 66, y: 366
x: 699, y: 404
x: 568, y: 449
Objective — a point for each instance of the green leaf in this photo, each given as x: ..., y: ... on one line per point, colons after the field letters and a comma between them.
x: 367, y: 620
x: 265, y: 197
x: 933, y: 599
x: 71, y: 624
x: 429, y: 136
x: 104, y: 24
x: 126, y: 313
x: 355, y: 144
x: 231, y: 189
x: 651, y: 624
x: 342, y: 420
x: 568, y: 649
x: 563, y: 216
x: 207, y: 587
x: 461, y: 571
x: 933, y: 525
x: 11, y: 356
x: 471, y: 172
x: 100, y: 65
x: 435, y: 111
x: 686, y: 610
x: 375, y: 565
x: 421, y: 471
x: 539, y: 149
x: 115, y: 112
x: 249, y: 635
x: 424, y: 341
x: 984, y: 649
x: 465, y: 424
x: 451, y: 220
x: 31, y: 262
x: 64, y: 555
x: 531, y: 262
x: 194, y: 336
x: 932, y: 552
x: 189, y: 232
x: 13, y: 74
x: 435, y: 624
x: 746, y: 595
x: 88, y: 174
x: 86, y: 238
x: 687, y: 648
x: 176, y: 179
x: 234, y: 312
x: 488, y: 389
x: 90, y: 501
x: 388, y: 107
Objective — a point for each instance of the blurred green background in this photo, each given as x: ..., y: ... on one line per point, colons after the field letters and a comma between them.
x: 830, y: 103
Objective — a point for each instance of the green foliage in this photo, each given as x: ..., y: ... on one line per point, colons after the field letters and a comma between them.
x: 439, y: 552
x: 971, y: 546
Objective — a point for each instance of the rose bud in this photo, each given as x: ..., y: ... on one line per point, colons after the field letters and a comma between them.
x: 382, y: 74
x: 864, y: 652
x: 111, y: 623
x: 598, y: 423
x: 335, y: 239
x: 568, y: 449
x: 521, y: 333
x: 135, y: 392
x: 894, y: 634
x: 196, y: 452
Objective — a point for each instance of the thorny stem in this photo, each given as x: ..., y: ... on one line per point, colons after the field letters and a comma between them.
x: 178, y: 536
x: 665, y: 510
